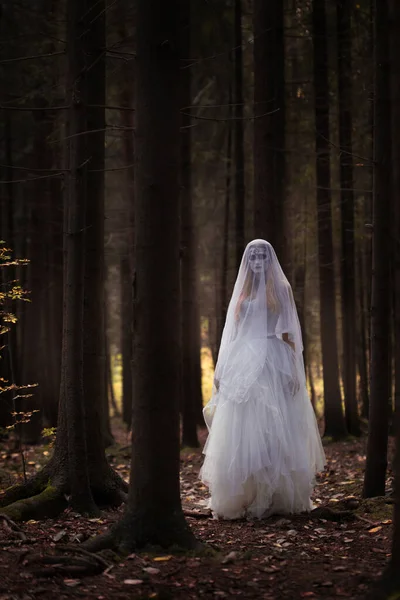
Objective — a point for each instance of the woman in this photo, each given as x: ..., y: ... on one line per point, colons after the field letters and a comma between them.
x: 264, y: 448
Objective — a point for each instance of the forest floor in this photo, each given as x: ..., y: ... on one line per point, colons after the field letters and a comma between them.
x: 278, y: 558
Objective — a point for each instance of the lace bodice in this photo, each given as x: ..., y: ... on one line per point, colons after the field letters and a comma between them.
x: 248, y: 309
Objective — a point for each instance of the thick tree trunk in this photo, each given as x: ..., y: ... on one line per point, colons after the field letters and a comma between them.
x: 8, y: 363
x: 154, y: 514
x: 376, y: 465
x: 191, y: 379
x: 363, y: 350
x: 72, y: 374
x: 334, y: 419
x: 225, y: 235
x: 127, y: 263
x: 239, y: 135
x: 269, y: 126
x: 395, y: 124
x: 344, y: 9
x: 126, y: 339
x: 94, y: 359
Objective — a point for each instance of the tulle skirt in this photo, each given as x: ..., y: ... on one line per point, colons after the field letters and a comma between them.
x: 262, y: 452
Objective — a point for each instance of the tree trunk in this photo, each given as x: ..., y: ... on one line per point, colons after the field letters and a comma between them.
x: 126, y: 339
x: 269, y: 125
x: 334, y: 419
x: 72, y: 377
x: 363, y: 353
x: 127, y: 262
x: 154, y: 514
x: 191, y: 380
x: 78, y: 467
x: 8, y: 363
x: 395, y: 125
x: 376, y: 465
x: 94, y: 359
x: 239, y: 135
x: 344, y: 48
x: 225, y: 235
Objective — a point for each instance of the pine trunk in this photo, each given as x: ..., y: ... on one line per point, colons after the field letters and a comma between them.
x: 395, y: 124
x: 154, y: 514
x: 239, y: 135
x: 191, y: 380
x: 344, y: 49
x: 127, y: 261
x: 72, y: 382
x: 376, y: 464
x: 334, y: 418
x: 269, y: 125
x: 94, y: 358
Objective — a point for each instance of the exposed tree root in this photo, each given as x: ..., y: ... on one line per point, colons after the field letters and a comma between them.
x: 34, y: 486
x: 51, y: 565
x: 46, y: 494
x: 13, y: 528
x: 135, y: 532
x: 324, y: 512
x: 49, y: 503
x: 105, y: 541
x: 195, y: 514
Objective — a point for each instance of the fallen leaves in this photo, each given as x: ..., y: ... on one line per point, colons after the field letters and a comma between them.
x: 151, y: 570
x: 279, y: 557
x: 375, y: 529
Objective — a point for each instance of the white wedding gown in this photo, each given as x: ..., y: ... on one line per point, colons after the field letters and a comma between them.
x: 264, y: 448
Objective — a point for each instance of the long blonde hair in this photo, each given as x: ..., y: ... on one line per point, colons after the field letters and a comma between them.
x: 272, y: 300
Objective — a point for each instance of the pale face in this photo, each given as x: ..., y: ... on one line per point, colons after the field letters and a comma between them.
x: 258, y: 259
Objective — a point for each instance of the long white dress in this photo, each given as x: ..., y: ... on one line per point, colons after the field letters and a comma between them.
x: 264, y: 448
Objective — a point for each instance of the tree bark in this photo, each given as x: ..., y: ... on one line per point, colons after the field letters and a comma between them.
x: 225, y: 235
x: 363, y: 352
x: 269, y: 125
x: 376, y: 464
x: 126, y: 339
x: 72, y: 378
x: 395, y: 124
x: 344, y: 49
x: 154, y: 514
x: 191, y: 379
x: 239, y: 135
x: 8, y: 363
x: 127, y: 261
x: 334, y: 419
x: 94, y: 358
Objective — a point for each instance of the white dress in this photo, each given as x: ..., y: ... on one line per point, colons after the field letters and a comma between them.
x: 264, y: 447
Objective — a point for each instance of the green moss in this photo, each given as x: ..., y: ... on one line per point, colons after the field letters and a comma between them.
x: 328, y: 439
x: 13, y: 511
x: 48, y: 503
x: 377, y: 509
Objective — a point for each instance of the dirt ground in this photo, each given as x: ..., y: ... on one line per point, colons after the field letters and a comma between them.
x: 278, y: 558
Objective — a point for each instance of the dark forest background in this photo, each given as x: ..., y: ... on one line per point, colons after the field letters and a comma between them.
x: 288, y: 130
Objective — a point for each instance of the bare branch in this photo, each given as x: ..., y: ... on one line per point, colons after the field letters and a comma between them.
x: 253, y: 118
x: 32, y: 178
x: 33, y: 108
x: 23, y: 58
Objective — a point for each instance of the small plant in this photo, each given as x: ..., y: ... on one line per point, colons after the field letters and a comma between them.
x: 50, y: 433
x: 10, y: 292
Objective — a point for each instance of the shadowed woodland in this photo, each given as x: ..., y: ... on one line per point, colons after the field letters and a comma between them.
x: 142, y: 145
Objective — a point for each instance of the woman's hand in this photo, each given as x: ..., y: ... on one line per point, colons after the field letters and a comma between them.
x: 285, y: 337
